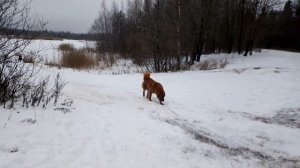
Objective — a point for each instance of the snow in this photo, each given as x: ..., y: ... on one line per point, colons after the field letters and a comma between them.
x: 232, y: 117
x: 48, y: 49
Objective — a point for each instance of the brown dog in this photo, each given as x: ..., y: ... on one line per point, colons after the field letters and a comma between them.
x: 153, y: 87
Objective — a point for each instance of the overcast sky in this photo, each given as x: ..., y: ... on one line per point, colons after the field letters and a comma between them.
x: 69, y: 15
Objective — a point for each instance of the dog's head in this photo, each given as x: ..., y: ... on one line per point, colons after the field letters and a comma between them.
x: 146, y: 75
x: 161, y: 96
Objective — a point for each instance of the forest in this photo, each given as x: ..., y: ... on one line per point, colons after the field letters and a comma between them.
x: 170, y: 34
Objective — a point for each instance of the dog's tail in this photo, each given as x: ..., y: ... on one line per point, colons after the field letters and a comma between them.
x: 146, y: 75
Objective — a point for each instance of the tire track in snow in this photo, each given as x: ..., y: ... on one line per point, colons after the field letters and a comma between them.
x: 289, y: 117
x: 245, y: 152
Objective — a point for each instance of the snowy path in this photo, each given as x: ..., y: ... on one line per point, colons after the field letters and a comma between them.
x: 218, y: 118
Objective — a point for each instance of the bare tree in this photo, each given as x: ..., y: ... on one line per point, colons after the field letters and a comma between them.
x: 16, y: 29
x: 174, y: 13
x: 160, y: 33
x: 256, y: 12
x: 102, y: 27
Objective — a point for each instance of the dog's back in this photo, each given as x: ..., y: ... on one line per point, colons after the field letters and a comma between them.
x: 158, y: 89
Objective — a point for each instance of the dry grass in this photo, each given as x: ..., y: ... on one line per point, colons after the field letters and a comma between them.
x: 223, y: 63
x: 66, y: 47
x: 29, y: 59
x: 52, y: 64
x: 75, y: 58
x: 107, y: 59
x: 84, y: 58
x: 238, y: 71
x: 78, y: 59
x: 90, y: 49
x: 204, y: 66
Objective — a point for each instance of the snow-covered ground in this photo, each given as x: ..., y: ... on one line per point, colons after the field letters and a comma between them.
x: 48, y: 49
x: 246, y: 115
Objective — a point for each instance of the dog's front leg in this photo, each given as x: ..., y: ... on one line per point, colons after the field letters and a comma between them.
x: 150, y: 95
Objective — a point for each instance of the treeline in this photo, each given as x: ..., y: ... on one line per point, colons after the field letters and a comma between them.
x: 170, y: 34
x: 63, y: 35
x: 47, y: 34
x: 282, y: 28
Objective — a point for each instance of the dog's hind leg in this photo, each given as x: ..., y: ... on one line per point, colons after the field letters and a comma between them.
x: 149, y: 95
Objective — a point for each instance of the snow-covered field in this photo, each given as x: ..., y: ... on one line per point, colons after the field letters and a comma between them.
x: 246, y: 115
x: 48, y: 49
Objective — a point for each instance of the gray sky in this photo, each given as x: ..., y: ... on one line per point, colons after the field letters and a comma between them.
x: 69, y: 15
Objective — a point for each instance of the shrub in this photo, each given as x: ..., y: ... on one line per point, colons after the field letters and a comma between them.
x: 223, y: 63
x: 36, y: 94
x: 75, y: 58
x: 108, y: 60
x: 29, y: 59
x: 17, y: 31
x: 205, y: 66
x: 66, y: 47
x: 78, y: 59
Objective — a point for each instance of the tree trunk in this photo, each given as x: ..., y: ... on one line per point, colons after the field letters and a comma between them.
x: 241, y: 28
x: 178, y: 34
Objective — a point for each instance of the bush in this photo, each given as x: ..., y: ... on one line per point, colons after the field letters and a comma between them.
x: 75, y: 58
x: 29, y: 59
x: 78, y: 59
x: 66, y: 47
x: 36, y: 94
x: 16, y: 34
